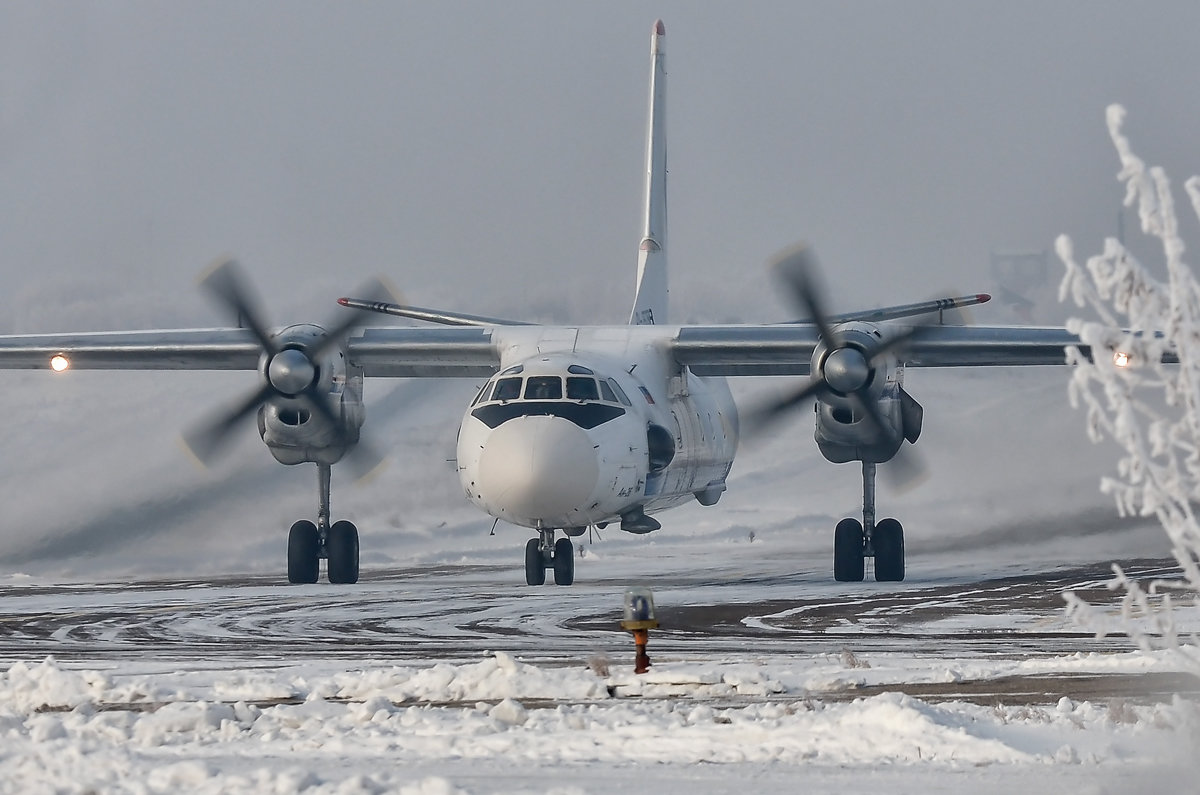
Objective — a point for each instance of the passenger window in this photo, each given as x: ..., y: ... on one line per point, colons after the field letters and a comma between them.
x: 581, y: 389
x: 620, y: 392
x: 543, y: 387
x: 507, y: 389
x: 607, y: 393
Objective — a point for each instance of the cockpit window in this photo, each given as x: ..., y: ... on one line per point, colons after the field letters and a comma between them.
x: 516, y: 369
x: 484, y: 390
x: 543, y: 387
x: 507, y: 389
x: 580, y: 388
x: 607, y: 393
x: 621, y: 396
x: 578, y: 369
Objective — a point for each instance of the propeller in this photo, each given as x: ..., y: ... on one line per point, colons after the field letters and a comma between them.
x: 846, y: 369
x: 291, y: 372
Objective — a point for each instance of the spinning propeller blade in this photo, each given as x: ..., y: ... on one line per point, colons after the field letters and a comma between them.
x: 798, y: 268
x: 294, y: 378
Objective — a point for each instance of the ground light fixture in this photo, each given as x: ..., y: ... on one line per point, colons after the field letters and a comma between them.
x: 639, y: 620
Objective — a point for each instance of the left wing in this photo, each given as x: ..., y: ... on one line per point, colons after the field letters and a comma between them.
x: 788, y: 349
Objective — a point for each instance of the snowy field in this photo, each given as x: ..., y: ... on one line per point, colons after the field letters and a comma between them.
x: 182, y: 663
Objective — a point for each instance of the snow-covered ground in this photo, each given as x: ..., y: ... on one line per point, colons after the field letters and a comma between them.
x: 506, y: 726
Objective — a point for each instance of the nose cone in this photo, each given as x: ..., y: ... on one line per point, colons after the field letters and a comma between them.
x: 538, y: 468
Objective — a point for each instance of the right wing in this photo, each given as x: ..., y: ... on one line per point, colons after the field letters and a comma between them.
x: 788, y: 349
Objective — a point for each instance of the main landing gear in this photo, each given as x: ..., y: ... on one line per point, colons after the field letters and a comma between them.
x: 308, y: 543
x: 853, y: 541
x: 543, y: 553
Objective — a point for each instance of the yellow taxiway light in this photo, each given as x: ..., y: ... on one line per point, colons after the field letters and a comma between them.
x: 639, y: 620
x: 59, y: 363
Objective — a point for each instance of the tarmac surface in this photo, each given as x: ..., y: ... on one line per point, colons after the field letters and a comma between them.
x: 459, y: 613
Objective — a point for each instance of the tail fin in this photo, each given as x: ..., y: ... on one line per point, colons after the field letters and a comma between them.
x: 650, y: 303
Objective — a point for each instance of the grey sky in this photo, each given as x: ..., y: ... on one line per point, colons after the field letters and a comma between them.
x: 488, y: 156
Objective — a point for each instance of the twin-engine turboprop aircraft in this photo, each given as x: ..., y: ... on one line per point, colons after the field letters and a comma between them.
x: 576, y: 425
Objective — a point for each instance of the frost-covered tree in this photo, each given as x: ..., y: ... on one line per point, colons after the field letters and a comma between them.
x: 1151, y: 409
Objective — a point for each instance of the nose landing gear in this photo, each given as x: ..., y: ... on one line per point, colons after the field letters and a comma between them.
x: 543, y: 553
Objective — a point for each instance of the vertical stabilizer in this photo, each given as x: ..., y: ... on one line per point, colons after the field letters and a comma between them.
x: 650, y: 304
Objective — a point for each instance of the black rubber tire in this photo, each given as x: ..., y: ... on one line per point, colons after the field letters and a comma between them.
x: 848, y: 562
x: 303, y: 564
x: 888, y: 538
x: 342, y: 546
x: 535, y: 567
x: 564, y: 562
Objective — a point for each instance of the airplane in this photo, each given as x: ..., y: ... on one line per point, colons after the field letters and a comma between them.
x: 575, y: 426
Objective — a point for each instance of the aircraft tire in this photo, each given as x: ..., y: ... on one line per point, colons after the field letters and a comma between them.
x: 848, y: 562
x: 303, y: 564
x: 889, y: 551
x: 342, y: 546
x: 535, y: 567
x: 564, y: 562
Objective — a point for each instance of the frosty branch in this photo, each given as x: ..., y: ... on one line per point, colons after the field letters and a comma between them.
x: 1150, y: 409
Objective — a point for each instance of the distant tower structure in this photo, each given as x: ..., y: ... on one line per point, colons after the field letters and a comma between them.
x: 1020, y: 278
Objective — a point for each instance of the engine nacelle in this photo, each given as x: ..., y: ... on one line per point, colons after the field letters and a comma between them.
x: 856, y: 373
x: 293, y: 432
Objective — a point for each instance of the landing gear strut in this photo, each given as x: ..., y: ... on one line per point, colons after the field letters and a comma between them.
x: 543, y: 553
x: 309, y: 542
x: 854, y: 541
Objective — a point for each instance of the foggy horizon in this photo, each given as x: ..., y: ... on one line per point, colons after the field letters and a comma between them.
x: 489, y: 159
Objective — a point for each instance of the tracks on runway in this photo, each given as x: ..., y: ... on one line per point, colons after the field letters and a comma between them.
x: 457, y: 614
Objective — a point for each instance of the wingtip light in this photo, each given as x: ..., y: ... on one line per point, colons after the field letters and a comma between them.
x: 983, y: 298
x: 59, y: 363
x: 659, y: 28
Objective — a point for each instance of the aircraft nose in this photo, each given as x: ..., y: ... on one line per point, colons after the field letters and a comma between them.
x: 538, y: 468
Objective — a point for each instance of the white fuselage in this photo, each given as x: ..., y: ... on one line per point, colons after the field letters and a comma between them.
x: 584, y: 425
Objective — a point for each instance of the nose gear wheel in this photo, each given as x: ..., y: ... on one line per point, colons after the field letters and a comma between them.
x: 543, y: 553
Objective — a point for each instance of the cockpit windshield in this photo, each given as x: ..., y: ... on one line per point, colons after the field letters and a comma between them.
x: 587, y: 400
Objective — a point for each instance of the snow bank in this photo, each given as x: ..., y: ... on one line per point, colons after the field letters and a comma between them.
x: 352, y: 732
x: 47, y: 686
x: 497, y: 677
x: 233, y: 747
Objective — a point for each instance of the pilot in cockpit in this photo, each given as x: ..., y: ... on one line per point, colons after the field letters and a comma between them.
x: 544, y: 388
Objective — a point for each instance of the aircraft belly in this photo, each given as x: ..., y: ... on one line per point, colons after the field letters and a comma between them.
x: 671, y: 501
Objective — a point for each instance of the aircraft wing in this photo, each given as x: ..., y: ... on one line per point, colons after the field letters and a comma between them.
x: 788, y: 349
x: 473, y: 351
x: 389, y: 352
